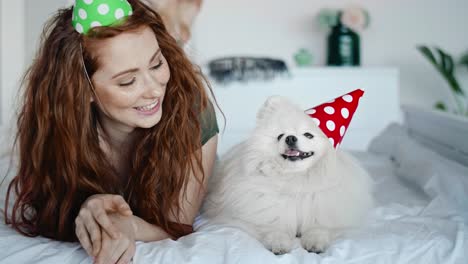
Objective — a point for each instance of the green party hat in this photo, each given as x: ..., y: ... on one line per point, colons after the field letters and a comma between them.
x: 88, y: 14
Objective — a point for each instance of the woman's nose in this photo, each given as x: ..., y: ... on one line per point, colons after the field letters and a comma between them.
x: 152, y: 87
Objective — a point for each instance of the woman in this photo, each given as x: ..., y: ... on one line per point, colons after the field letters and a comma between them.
x: 116, y: 134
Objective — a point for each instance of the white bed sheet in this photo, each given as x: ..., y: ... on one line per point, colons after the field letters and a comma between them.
x: 421, y: 217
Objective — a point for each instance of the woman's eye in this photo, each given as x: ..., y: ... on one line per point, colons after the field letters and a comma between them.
x: 128, y: 83
x: 155, y: 67
x: 308, y: 135
x: 280, y: 136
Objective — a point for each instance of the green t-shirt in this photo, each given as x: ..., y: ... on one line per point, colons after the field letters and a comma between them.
x: 208, y: 123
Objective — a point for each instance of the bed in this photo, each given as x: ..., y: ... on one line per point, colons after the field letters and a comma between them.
x: 422, y: 196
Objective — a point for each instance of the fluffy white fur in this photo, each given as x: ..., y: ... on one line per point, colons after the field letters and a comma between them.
x: 275, y: 199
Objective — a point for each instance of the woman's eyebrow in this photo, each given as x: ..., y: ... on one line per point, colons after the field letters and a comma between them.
x: 135, y: 69
x: 155, y: 54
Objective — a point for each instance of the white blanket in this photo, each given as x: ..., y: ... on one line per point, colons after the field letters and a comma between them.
x: 421, y: 217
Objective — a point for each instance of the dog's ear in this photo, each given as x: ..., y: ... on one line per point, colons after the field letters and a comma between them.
x: 271, y: 105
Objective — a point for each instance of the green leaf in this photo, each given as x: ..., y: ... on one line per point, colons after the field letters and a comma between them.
x: 428, y: 54
x: 327, y: 18
x: 440, y: 106
x: 464, y: 60
x: 444, y: 66
x: 446, y: 61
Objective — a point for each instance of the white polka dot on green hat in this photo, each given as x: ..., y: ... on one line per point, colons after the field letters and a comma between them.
x: 88, y: 14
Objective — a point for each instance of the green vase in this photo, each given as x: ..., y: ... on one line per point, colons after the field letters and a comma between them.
x: 343, y: 46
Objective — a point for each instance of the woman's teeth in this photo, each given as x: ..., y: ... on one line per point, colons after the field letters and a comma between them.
x: 148, y: 107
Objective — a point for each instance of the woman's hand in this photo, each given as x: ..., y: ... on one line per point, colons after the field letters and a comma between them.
x: 93, y: 220
x: 121, y: 249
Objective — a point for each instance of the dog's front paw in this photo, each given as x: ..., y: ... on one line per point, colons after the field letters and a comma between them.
x: 316, y: 240
x: 278, y: 242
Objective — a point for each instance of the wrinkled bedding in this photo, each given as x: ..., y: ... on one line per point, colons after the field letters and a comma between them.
x: 421, y: 217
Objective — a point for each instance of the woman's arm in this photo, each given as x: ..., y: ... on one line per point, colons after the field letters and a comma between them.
x: 193, y: 198
x: 147, y: 232
x: 192, y: 201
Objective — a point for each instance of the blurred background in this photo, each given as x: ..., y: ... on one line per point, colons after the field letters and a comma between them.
x: 295, y: 32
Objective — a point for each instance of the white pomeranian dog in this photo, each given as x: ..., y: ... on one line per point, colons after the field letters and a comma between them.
x: 286, y: 182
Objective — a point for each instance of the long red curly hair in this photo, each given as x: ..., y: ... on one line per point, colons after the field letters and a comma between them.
x: 60, y: 160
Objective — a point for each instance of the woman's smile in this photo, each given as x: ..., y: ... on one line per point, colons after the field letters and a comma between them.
x: 149, y: 109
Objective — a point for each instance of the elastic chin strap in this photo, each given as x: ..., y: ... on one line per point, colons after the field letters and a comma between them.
x: 84, y: 69
x: 90, y: 82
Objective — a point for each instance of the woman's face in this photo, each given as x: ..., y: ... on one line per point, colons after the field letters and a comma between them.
x: 130, y: 81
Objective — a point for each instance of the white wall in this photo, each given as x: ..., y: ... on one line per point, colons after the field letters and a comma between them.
x: 12, y: 55
x: 21, y: 23
x: 36, y: 14
x: 279, y: 28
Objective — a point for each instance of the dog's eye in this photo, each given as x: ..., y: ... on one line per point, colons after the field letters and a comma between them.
x: 308, y: 135
x: 280, y: 136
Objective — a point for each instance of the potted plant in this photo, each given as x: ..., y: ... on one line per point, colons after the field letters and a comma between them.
x: 445, y: 128
x: 445, y: 65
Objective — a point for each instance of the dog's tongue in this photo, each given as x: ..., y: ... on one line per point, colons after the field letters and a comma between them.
x: 292, y: 152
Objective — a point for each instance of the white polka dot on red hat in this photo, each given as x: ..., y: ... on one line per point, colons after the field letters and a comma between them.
x: 311, y: 111
x: 316, y: 121
x: 329, y: 110
x: 330, y: 125
x: 348, y: 98
x: 345, y: 113
x: 342, y: 130
x: 332, y: 141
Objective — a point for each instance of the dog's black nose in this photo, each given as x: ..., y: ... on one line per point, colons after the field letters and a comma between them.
x: 291, y: 140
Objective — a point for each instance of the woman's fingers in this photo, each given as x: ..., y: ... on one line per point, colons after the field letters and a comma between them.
x: 120, y: 247
x: 83, y: 236
x: 93, y: 221
x: 127, y: 255
x: 121, y: 205
x: 93, y: 229
x: 115, y: 250
x: 98, y: 212
x: 106, y: 250
x: 112, y: 203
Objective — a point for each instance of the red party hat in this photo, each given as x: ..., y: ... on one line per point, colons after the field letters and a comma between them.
x: 333, y: 117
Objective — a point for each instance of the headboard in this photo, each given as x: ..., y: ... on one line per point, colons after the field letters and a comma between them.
x: 309, y: 87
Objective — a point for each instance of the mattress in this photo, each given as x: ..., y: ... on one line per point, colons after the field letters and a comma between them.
x: 421, y: 217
